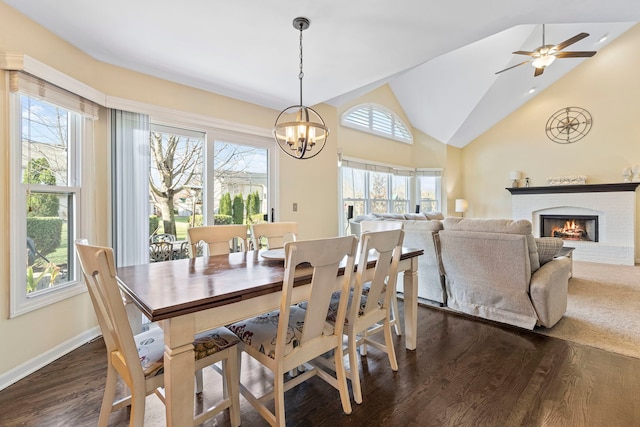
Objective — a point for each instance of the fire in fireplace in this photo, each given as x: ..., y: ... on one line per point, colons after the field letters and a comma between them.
x: 570, y: 227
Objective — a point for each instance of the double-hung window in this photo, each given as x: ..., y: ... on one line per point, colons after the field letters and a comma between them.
x: 429, y: 190
x: 49, y: 129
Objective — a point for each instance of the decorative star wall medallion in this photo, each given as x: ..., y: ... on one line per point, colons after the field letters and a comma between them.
x: 568, y: 125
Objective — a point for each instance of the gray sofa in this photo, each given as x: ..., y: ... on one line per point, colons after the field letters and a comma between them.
x: 497, y: 270
x: 420, y: 230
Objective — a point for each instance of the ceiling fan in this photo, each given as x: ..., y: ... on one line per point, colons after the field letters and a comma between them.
x: 543, y: 56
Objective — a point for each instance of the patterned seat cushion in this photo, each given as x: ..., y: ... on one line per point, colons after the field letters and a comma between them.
x: 150, y: 345
x: 260, y: 332
x: 335, y: 302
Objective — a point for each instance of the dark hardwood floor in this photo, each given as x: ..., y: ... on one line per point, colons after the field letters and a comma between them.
x: 465, y: 372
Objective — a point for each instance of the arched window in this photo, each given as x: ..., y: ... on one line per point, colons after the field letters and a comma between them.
x: 378, y: 120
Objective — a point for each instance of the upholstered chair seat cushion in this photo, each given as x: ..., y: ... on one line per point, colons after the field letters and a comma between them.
x: 150, y: 345
x: 260, y: 332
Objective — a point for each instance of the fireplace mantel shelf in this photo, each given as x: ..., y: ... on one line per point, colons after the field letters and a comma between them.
x: 587, y: 188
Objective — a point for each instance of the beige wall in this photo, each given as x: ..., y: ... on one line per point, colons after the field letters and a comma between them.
x: 607, y: 86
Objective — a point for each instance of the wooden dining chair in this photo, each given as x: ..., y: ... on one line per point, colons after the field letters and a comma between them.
x: 139, y: 359
x: 373, y: 312
x: 218, y: 239
x: 275, y: 234
x: 382, y: 226
x: 283, y: 340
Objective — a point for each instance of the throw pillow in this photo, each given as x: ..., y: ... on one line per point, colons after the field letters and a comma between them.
x: 434, y: 215
x: 548, y: 248
x: 415, y: 216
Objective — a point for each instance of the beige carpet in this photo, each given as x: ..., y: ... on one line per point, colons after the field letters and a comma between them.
x: 603, y: 308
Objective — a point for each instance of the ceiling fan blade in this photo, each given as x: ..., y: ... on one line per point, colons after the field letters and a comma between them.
x: 513, y: 66
x: 538, y: 72
x: 523, y: 52
x: 584, y: 54
x: 571, y: 41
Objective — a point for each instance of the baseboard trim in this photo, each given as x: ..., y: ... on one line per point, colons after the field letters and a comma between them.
x: 21, y: 371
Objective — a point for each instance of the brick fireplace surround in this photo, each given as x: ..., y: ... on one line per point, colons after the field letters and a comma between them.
x: 614, y: 204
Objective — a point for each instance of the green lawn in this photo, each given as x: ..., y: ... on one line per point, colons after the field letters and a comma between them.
x: 182, y: 223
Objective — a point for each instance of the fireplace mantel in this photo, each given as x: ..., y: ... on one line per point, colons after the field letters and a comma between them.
x: 587, y: 188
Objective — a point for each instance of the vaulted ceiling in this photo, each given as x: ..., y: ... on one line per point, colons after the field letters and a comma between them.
x: 439, y: 58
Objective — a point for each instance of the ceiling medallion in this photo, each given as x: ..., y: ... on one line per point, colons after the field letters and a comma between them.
x: 568, y: 125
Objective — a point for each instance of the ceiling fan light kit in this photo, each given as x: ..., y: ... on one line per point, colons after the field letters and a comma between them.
x: 546, y: 54
x: 299, y: 130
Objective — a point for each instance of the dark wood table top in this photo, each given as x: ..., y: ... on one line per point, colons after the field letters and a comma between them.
x: 167, y: 289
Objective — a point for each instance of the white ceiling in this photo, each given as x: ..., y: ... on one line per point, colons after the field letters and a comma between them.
x: 439, y: 58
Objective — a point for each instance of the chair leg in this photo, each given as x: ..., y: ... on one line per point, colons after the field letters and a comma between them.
x: 137, y: 409
x: 199, y: 382
x: 278, y: 398
x: 341, y: 376
x: 354, y: 370
x: 396, y: 316
x: 109, y: 396
x: 231, y: 381
x: 388, y: 338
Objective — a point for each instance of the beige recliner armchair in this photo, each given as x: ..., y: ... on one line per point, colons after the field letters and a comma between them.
x: 492, y: 270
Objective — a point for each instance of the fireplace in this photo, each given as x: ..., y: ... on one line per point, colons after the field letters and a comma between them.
x: 570, y: 227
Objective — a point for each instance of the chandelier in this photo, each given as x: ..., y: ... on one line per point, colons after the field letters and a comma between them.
x: 299, y: 130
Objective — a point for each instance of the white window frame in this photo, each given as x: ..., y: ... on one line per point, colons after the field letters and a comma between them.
x: 80, y: 185
x: 214, y: 129
x: 396, y: 125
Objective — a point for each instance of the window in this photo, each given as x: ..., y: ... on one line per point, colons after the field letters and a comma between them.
x: 176, y: 179
x: 240, y: 171
x: 378, y: 120
x: 429, y: 189
x: 181, y: 171
x: 48, y: 127
x: 372, y: 188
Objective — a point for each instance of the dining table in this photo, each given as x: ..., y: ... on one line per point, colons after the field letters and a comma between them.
x: 188, y: 296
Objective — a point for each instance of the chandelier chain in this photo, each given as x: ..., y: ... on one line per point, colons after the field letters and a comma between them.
x: 301, y: 75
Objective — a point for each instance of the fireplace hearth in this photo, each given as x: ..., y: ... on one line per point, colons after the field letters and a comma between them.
x: 570, y: 227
